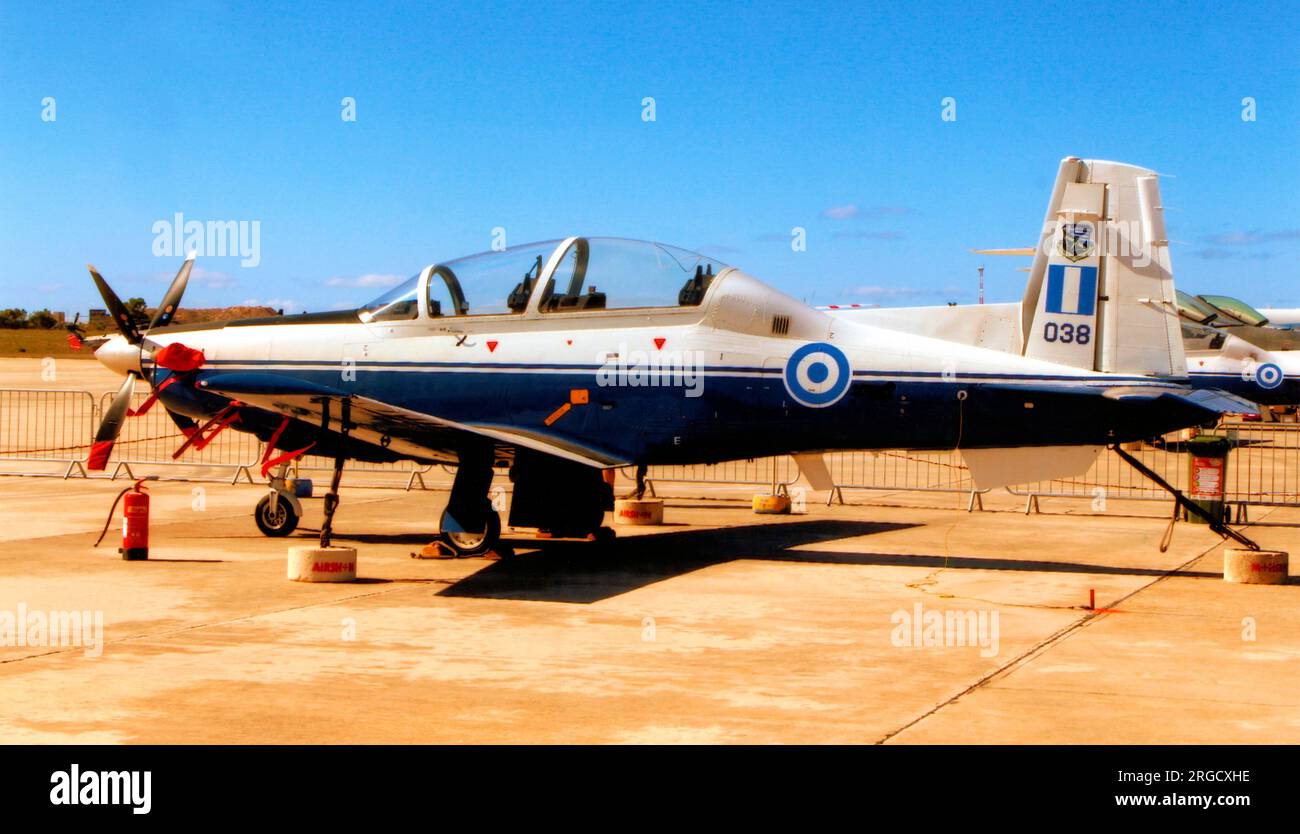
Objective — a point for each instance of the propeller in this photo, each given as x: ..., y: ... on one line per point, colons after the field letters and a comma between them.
x: 76, y: 333
x: 121, y: 316
x: 172, y: 300
x: 110, y: 426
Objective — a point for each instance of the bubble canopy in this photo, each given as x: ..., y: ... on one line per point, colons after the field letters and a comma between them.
x: 588, y: 274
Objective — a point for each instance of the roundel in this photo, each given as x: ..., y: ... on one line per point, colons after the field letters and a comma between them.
x: 817, y: 375
x: 1268, y: 375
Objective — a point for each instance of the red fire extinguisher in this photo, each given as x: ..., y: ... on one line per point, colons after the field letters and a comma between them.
x: 135, y: 522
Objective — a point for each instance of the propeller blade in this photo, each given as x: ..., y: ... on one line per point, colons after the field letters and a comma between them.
x: 172, y: 300
x: 111, y: 426
x: 121, y: 316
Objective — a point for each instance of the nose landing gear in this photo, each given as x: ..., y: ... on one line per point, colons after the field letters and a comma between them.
x: 279, y: 511
x: 275, y: 516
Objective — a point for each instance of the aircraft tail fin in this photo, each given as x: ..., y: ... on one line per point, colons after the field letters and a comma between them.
x: 1101, y: 288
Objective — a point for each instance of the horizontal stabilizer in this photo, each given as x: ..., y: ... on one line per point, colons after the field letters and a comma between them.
x: 1216, y: 402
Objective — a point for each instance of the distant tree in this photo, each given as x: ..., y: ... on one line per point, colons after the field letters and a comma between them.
x: 138, y: 309
x: 43, y: 319
x: 13, y: 318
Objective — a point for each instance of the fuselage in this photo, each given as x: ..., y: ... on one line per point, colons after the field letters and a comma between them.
x: 748, y: 371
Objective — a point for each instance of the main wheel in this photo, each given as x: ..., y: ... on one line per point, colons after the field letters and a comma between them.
x: 278, y: 523
x: 469, y: 542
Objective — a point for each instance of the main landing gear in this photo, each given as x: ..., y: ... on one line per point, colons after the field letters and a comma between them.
x: 470, y: 525
x: 563, y: 500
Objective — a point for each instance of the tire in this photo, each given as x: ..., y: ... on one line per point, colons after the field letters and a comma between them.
x: 470, y: 544
x: 279, y: 525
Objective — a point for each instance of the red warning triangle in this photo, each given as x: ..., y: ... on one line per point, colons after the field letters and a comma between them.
x: 659, y: 342
x: 492, y: 346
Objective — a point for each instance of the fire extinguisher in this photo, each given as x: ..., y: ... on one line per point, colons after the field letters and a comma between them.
x: 135, y: 522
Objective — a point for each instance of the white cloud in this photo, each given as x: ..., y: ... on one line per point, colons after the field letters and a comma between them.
x: 200, y: 277
x: 890, y: 293
x: 286, y: 304
x: 841, y: 212
x: 863, y: 234
x: 1252, y: 237
x: 368, y: 280
x: 848, y: 211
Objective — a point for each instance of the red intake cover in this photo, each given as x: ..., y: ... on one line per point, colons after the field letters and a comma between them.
x: 177, y: 357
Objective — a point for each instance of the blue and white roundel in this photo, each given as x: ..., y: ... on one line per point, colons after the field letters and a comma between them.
x: 817, y: 375
x: 1268, y: 375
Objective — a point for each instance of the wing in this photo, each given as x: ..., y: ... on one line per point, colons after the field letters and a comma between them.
x: 389, y: 426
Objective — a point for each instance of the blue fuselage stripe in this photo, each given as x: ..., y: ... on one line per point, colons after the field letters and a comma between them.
x: 718, y: 416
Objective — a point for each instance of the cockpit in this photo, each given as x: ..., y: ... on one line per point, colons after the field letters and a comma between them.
x: 552, y: 277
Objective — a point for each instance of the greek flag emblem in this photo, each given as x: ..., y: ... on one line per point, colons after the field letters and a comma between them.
x: 1071, y: 290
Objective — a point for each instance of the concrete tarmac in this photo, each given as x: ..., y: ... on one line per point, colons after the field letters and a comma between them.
x: 721, y: 626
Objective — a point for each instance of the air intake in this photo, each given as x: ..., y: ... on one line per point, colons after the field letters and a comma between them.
x: 780, y: 325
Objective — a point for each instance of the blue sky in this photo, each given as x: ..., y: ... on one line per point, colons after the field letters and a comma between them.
x: 529, y: 117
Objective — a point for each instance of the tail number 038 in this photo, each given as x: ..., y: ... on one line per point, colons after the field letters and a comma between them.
x: 1067, y: 334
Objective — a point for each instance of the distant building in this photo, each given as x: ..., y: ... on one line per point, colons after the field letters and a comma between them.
x: 61, y: 318
x: 97, y: 316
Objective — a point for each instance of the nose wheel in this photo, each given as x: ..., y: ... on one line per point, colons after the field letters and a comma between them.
x: 275, y: 516
x: 278, y: 513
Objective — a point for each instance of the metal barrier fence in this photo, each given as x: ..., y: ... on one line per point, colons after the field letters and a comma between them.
x: 1112, y: 478
x: 413, y: 472
x: 57, y: 426
x: 774, y: 472
x: 1263, y: 470
x: 891, y: 470
x: 149, y: 439
x: 899, y: 470
x: 47, y: 426
x: 1264, y: 467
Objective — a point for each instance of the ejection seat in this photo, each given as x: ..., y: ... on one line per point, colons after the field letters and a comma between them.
x: 692, y: 292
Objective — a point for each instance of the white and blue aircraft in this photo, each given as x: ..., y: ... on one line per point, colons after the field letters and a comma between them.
x: 569, y: 358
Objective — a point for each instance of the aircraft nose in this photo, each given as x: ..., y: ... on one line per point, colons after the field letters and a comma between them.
x: 119, y: 355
